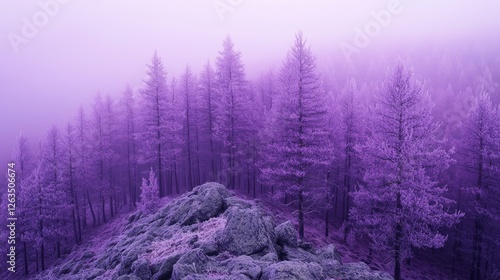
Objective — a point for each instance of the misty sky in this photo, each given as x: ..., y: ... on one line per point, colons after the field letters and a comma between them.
x: 91, y: 46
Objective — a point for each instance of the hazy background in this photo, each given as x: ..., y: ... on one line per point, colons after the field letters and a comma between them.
x: 91, y: 46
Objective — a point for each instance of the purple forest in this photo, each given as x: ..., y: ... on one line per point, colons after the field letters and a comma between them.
x: 250, y: 140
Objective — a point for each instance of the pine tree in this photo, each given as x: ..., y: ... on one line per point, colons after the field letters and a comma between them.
x: 54, y: 198
x: 188, y: 91
x: 111, y: 156
x: 253, y: 142
x: 100, y: 151
x: 232, y: 121
x: 333, y: 181
x: 128, y: 111
x: 300, y: 148
x: 155, y: 120
x: 208, y: 101
x: 175, y: 143
x: 401, y: 205
x: 150, y: 198
x: 103, y: 153
x: 73, y: 193
x: 351, y: 131
x: 44, y: 202
x: 83, y: 167
x: 479, y: 153
x: 23, y: 158
x: 267, y: 87
x: 31, y: 210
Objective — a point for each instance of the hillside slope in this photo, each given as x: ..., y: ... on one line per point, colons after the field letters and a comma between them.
x: 208, y: 233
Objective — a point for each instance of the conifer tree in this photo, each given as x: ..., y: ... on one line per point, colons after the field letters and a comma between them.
x: 149, y: 193
x: 157, y: 121
x: 232, y: 122
x: 401, y: 205
x: 188, y: 91
x: 208, y: 101
x: 128, y: 111
x: 478, y: 157
x: 299, y: 150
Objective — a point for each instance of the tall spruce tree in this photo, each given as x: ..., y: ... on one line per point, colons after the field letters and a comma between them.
x: 401, y: 205
x: 232, y: 121
x: 478, y: 157
x: 155, y: 120
x: 300, y: 147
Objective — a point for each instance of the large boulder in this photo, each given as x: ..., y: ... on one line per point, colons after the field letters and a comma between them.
x: 209, y: 248
x: 297, y: 254
x: 140, y: 268
x: 331, y: 268
x: 204, y: 202
x: 247, y: 232
x: 126, y: 262
x: 289, y: 270
x: 286, y: 234
x: 192, y: 262
x: 243, y: 265
x: 270, y: 258
x: 166, y: 267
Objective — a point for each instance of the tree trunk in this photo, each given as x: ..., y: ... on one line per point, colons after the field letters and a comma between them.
x: 94, y: 220
x: 84, y: 210
x: 487, y: 259
x: 476, y: 251
x: 478, y: 227
x: 42, y: 256
x: 75, y: 227
x: 327, y: 225
x: 397, y: 242
x: 76, y: 208
x: 301, y: 210
x: 337, y: 183
x: 456, y: 240
x: 129, y: 177
x: 25, y: 254
x: 103, y: 206
x: 111, y: 210
x: 347, y: 190
x: 58, y: 249
x: 254, y: 171
x: 197, y: 161
x: 248, y: 179
x: 176, y: 179
x: 134, y: 176
x: 170, y: 181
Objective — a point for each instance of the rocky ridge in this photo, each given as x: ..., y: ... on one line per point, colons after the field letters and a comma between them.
x: 209, y: 234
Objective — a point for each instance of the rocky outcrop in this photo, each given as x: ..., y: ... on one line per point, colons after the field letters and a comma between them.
x: 209, y: 234
x: 247, y: 232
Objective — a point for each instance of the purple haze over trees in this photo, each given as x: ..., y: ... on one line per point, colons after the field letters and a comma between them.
x: 370, y: 154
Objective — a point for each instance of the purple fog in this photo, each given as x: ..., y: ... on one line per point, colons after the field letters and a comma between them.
x: 234, y: 139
